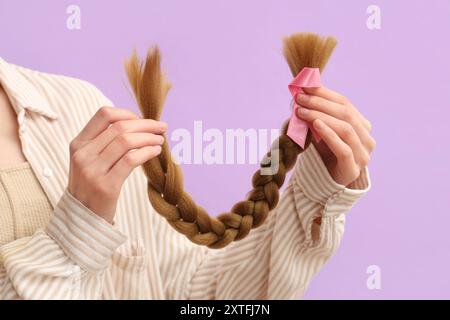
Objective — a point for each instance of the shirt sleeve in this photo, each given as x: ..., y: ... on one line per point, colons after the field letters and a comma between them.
x: 278, y: 259
x: 66, y: 260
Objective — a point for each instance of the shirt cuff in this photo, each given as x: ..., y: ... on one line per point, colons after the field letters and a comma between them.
x: 85, y: 237
x: 317, y: 184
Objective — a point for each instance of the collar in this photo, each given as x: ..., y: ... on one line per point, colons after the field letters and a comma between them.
x: 22, y: 92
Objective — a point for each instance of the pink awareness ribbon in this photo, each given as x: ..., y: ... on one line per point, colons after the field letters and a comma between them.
x: 298, y: 128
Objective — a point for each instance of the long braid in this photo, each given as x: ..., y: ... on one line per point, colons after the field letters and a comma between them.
x: 165, y: 180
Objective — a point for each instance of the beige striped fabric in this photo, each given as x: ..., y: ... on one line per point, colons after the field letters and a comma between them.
x: 80, y: 256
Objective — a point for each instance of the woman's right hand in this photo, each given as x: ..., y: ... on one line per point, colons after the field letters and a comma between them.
x: 105, y: 152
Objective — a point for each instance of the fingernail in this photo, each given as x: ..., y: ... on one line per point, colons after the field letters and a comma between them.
x: 303, y: 111
x: 164, y: 125
x: 301, y: 97
x: 160, y: 139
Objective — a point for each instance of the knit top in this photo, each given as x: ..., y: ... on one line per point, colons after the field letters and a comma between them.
x: 24, y: 206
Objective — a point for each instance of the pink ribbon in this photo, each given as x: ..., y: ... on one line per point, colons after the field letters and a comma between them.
x: 298, y: 128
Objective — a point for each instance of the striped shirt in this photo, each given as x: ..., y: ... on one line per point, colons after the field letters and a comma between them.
x: 78, y: 255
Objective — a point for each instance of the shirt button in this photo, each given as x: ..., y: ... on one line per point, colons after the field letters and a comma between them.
x: 47, y: 172
x: 22, y: 129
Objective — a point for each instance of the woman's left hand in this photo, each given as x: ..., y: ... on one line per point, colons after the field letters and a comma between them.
x: 346, y: 143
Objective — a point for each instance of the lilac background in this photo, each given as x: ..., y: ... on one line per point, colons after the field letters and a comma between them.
x: 225, y: 62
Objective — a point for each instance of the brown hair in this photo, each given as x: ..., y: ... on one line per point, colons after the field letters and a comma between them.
x: 165, y: 181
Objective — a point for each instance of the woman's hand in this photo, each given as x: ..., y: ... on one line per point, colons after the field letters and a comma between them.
x: 105, y: 152
x: 346, y: 142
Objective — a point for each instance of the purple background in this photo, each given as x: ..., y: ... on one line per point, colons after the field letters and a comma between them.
x: 224, y: 59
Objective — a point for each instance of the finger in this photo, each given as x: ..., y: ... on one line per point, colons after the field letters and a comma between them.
x: 98, y: 144
x: 104, y: 117
x: 340, y: 149
x: 327, y: 94
x: 336, y: 111
x: 343, y: 129
x: 122, y: 145
x: 321, y: 104
x: 122, y: 169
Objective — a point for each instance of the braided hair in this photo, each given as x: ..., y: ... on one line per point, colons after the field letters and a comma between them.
x: 165, y: 180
